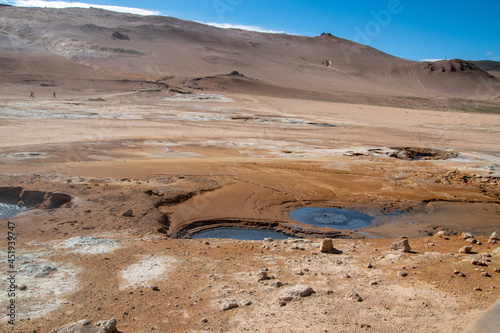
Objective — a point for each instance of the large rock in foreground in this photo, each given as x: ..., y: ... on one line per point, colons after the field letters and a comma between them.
x: 85, y: 326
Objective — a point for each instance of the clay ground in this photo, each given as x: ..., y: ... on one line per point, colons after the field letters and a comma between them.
x: 182, y: 162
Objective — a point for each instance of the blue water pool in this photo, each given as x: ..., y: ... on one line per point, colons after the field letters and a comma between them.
x: 8, y: 210
x: 335, y: 218
x: 240, y: 233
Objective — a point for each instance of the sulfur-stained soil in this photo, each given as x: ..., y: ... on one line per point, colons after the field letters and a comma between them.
x: 117, y: 187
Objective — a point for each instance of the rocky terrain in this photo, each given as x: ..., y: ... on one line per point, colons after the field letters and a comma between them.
x: 163, y: 128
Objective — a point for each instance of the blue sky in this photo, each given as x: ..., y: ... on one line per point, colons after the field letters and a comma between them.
x: 411, y: 29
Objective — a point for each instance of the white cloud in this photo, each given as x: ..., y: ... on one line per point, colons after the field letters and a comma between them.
x: 242, y: 27
x: 490, y: 53
x: 67, y: 4
x: 431, y: 59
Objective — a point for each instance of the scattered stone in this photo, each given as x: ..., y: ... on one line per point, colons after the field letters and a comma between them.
x: 228, y: 304
x: 354, y: 296
x: 486, y: 274
x: 478, y: 289
x: 128, y: 213
x: 326, y: 246
x: 496, y: 252
x: 402, y: 273
x: 204, y: 320
x: 461, y: 274
x: 471, y: 240
x: 290, y: 293
x: 440, y: 234
x: 486, y: 255
x: 456, y: 271
x: 364, y: 326
x: 347, y: 276
x: 482, y: 263
x: 245, y: 302
x: 108, y: 326
x: 277, y: 284
x: 496, y: 269
x: 373, y: 283
x: 494, y: 238
x: 466, y: 235
x: 85, y: 326
x: 262, y: 276
x: 474, y: 261
x: 369, y: 265
x: 155, y: 288
x: 465, y: 249
x: 401, y: 245
x: 22, y: 287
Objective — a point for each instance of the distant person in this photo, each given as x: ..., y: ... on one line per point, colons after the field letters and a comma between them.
x: 32, y: 94
x: 54, y: 94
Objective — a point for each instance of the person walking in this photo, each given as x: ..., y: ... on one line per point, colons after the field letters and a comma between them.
x: 54, y: 94
x: 32, y: 94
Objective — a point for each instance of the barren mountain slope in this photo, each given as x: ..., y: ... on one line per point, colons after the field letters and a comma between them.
x: 154, y: 47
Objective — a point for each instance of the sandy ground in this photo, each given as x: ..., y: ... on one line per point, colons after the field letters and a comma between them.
x: 144, y: 169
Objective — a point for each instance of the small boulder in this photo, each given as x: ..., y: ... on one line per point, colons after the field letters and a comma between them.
x: 85, y: 326
x: 466, y: 235
x: 263, y: 276
x: 290, y: 293
x: 402, y: 274
x: 440, y: 234
x: 326, y: 246
x: 128, y: 213
x: 228, y: 304
x: 465, y: 249
x: 471, y: 240
x: 401, y: 245
x: 495, y: 237
x: 354, y: 296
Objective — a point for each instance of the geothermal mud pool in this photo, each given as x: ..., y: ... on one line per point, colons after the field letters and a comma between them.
x: 9, y: 210
x: 240, y: 233
x: 335, y: 218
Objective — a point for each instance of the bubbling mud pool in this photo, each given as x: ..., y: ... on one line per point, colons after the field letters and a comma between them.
x: 335, y: 218
x: 240, y: 234
x: 8, y: 210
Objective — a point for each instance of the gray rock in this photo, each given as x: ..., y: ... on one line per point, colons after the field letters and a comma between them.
x: 496, y: 252
x: 401, y: 245
x: 262, y: 276
x: 402, y: 274
x: 109, y: 326
x: 245, y: 302
x: 495, y: 237
x: 441, y: 234
x: 85, y: 326
x: 128, y: 213
x: 466, y: 235
x: 465, y: 249
x: 228, y: 304
x: 290, y: 293
x: 354, y: 296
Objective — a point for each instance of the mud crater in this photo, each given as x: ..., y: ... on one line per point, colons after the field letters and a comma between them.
x: 32, y: 199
